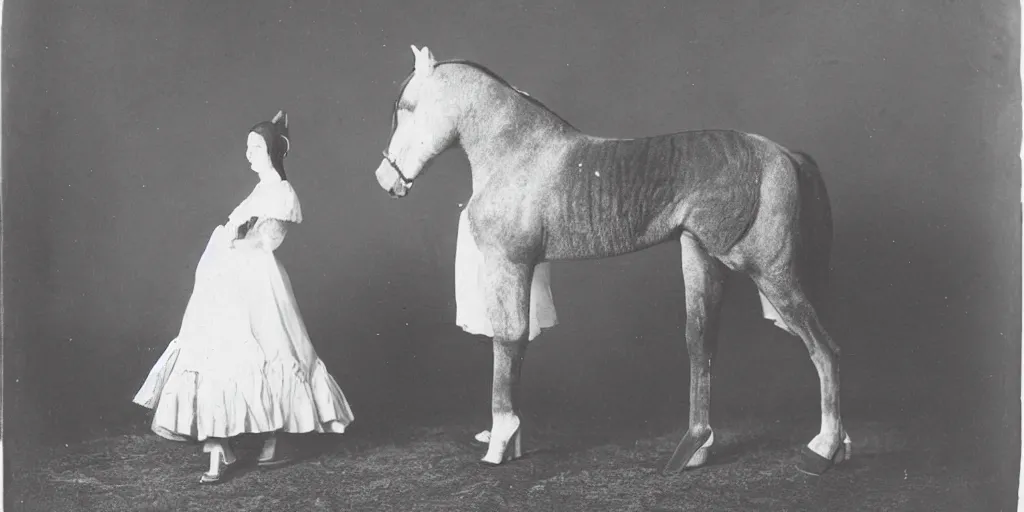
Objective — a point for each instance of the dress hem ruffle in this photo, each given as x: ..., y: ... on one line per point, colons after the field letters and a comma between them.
x: 189, y: 404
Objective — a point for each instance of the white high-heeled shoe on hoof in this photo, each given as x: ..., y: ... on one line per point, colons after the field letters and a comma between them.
x: 483, y: 437
x: 512, y: 450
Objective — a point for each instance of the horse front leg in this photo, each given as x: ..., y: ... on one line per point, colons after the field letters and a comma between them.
x: 507, y: 287
x: 703, y: 278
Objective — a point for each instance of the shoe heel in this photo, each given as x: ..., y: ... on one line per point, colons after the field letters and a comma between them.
x: 515, y: 448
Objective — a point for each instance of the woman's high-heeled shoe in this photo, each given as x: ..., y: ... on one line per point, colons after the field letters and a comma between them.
x: 222, y: 467
x: 274, y: 459
x: 273, y: 462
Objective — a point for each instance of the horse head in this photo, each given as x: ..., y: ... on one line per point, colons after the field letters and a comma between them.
x: 423, y: 126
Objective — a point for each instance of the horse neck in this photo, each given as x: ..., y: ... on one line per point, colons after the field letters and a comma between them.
x: 496, y: 122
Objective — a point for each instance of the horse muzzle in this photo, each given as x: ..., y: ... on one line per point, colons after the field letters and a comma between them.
x: 391, y: 181
x: 398, y: 190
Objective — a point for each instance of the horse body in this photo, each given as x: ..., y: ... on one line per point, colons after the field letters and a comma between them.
x: 619, y: 196
x: 544, y: 191
x: 597, y: 197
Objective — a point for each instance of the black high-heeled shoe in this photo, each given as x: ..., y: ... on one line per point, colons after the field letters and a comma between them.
x: 274, y: 461
x: 815, y: 465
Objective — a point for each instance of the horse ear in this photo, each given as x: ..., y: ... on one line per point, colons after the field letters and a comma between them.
x: 424, y: 60
x: 277, y: 116
x: 415, y: 55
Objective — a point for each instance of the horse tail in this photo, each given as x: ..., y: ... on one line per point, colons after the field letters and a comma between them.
x: 815, y: 237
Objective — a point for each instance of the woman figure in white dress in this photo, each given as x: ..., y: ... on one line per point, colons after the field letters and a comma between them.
x: 242, y: 362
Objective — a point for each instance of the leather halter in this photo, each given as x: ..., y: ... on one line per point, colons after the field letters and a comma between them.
x: 394, y: 165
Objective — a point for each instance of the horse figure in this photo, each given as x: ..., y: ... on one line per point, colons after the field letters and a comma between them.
x: 545, y: 191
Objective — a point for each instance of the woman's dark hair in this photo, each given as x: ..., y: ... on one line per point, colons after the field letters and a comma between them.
x: 275, y: 134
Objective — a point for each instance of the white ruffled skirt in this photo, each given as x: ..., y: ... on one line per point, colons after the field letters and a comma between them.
x: 242, y: 361
x: 470, y: 305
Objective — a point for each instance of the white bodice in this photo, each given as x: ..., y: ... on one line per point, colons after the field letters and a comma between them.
x: 274, y: 204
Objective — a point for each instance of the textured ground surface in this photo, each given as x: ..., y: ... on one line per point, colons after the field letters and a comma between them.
x: 905, y: 466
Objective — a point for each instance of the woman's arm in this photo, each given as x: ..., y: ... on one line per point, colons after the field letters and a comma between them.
x: 266, y: 234
x: 245, y: 227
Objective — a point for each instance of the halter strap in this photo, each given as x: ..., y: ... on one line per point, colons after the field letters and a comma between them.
x: 394, y: 165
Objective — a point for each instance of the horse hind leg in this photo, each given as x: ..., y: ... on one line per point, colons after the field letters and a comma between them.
x: 507, y: 294
x: 831, y: 445
x: 703, y: 278
x: 772, y: 315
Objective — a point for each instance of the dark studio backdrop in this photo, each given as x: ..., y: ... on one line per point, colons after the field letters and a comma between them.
x: 124, y: 126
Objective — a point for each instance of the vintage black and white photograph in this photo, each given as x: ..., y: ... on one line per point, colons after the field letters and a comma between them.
x: 534, y: 255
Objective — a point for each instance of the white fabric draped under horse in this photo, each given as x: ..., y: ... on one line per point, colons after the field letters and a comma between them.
x: 471, y: 310
x: 243, y: 361
x: 470, y: 302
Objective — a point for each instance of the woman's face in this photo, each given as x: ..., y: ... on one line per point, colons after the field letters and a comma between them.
x: 257, y: 154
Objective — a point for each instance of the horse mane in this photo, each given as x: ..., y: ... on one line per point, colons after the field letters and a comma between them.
x: 487, y: 71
